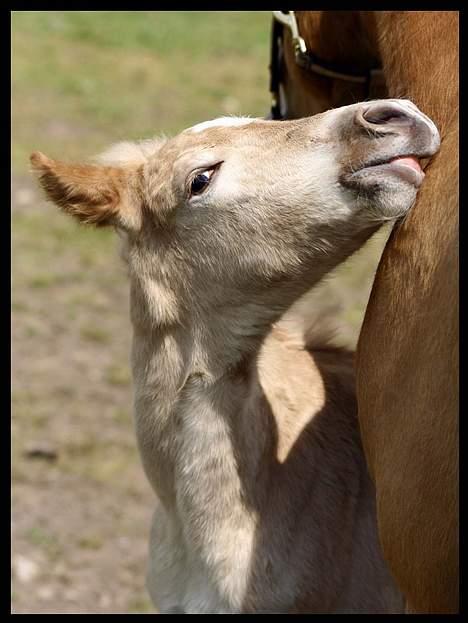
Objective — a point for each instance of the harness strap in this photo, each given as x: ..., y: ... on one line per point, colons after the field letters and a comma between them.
x: 373, y: 79
x: 311, y: 62
x: 276, y: 62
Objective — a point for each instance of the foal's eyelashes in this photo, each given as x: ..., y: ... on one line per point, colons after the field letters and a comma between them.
x: 201, y: 180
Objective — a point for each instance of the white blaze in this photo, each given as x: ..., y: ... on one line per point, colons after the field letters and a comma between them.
x: 221, y: 121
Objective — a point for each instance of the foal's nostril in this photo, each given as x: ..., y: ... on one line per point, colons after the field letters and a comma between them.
x: 385, y: 114
x: 399, y: 123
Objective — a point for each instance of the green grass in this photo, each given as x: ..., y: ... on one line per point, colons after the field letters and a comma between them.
x: 163, y: 33
x: 39, y: 536
x: 92, y: 542
x: 46, y: 236
x: 118, y: 375
x: 95, y: 334
x: 84, y: 79
x: 140, y: 605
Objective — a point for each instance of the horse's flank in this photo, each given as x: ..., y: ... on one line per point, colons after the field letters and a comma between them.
x: 408, y: 399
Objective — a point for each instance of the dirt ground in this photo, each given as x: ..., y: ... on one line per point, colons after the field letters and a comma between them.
x: 81, y: 504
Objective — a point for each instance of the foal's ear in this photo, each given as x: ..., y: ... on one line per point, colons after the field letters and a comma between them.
x: 97, y: 195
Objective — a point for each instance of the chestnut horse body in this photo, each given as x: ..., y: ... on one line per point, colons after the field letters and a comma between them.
x: 407, y: 364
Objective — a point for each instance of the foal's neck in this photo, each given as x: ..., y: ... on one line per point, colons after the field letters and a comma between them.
x: 198, y: 400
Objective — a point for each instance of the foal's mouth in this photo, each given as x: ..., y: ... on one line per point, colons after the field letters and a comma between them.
x: 406, y: 168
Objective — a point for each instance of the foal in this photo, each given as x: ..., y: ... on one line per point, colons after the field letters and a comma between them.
x: 247, y: 429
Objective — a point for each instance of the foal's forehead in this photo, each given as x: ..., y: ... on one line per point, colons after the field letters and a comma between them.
x: 208, y: 134
x: 224, y: 131
x: 221, y: 122
x: 219, y: 131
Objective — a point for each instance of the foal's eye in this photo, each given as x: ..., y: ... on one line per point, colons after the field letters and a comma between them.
x: 201, y: 181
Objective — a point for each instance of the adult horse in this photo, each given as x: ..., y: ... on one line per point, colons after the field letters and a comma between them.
x: 407, y: 361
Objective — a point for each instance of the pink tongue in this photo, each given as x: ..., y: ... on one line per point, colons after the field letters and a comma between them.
x: 409, y: 161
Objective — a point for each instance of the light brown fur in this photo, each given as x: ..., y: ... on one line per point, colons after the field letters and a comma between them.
x: 246, y: 423
x: 407, y: 364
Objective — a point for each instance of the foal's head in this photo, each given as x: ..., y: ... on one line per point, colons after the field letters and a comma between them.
x: 247, y: 212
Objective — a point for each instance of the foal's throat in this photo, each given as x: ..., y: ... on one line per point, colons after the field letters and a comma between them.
x: 196, y: 411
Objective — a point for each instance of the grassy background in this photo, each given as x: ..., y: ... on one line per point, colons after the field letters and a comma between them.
x: 82, y: 80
